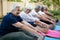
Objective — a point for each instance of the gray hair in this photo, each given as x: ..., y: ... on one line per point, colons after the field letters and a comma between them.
x: 28, y: 7
x: 13, y: 6
x: 37, y: 7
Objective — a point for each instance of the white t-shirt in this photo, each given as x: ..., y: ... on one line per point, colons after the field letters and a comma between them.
x: 27, y: 17
x: 33, y: 13
x: 33, y: 17
x: 41, y: 13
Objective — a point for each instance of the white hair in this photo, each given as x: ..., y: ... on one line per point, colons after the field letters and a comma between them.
x: 28, y: 7
x: 13, y: 6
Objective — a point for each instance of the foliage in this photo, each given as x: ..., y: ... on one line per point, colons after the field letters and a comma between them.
x: 46, y: 2
x: 15, y: 0
x: 55, y: 3
x: 55, y: 12
x: 35, y: 1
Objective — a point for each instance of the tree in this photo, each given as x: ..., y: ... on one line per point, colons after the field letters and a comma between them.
x: 56, y: 4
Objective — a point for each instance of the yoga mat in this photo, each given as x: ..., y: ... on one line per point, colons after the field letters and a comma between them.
x: 53, y: 33
x: 58, y: 23
x: 57, y: 27
x: 49, y: 38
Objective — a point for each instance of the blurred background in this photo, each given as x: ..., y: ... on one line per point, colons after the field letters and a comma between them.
x: 53, y: 5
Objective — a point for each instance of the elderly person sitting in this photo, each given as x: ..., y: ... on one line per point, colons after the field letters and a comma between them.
x: 14, y: 28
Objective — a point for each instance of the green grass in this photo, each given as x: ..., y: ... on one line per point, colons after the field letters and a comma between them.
x: 58, y: 16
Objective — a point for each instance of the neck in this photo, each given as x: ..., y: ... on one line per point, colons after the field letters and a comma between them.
x: 13, y: 13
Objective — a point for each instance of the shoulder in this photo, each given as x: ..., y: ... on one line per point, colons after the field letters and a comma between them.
x: 40, y: 12
x: 33, y: 12
x: 19, y: 17
x: 22, y: 13
x: 8, y: 16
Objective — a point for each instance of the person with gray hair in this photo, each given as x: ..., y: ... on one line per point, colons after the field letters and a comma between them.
x: 45, y: 10
x: 13, y: 27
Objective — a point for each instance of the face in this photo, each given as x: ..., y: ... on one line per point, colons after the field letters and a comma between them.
x: 37, y: 10
x: 28, y: 11
x: 17, y: 11
x: 45, y: 10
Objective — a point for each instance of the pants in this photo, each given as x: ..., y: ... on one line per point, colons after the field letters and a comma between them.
x: 22, y: 35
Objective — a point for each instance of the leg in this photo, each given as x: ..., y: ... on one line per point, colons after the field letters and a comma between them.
x: 29, y: 34
x: 16, y: 36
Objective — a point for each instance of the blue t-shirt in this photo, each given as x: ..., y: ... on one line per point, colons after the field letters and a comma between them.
x: 6, y: 25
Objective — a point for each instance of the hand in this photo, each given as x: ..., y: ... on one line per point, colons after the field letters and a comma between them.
x: 52, y: 22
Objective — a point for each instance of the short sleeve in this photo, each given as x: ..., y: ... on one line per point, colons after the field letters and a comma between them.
x: 40, y: 13
x: 12, y: 20
x: 20, y: 19
x: 33, y: 13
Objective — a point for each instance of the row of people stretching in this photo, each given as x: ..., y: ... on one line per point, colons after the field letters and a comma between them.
x: 26, y: 25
